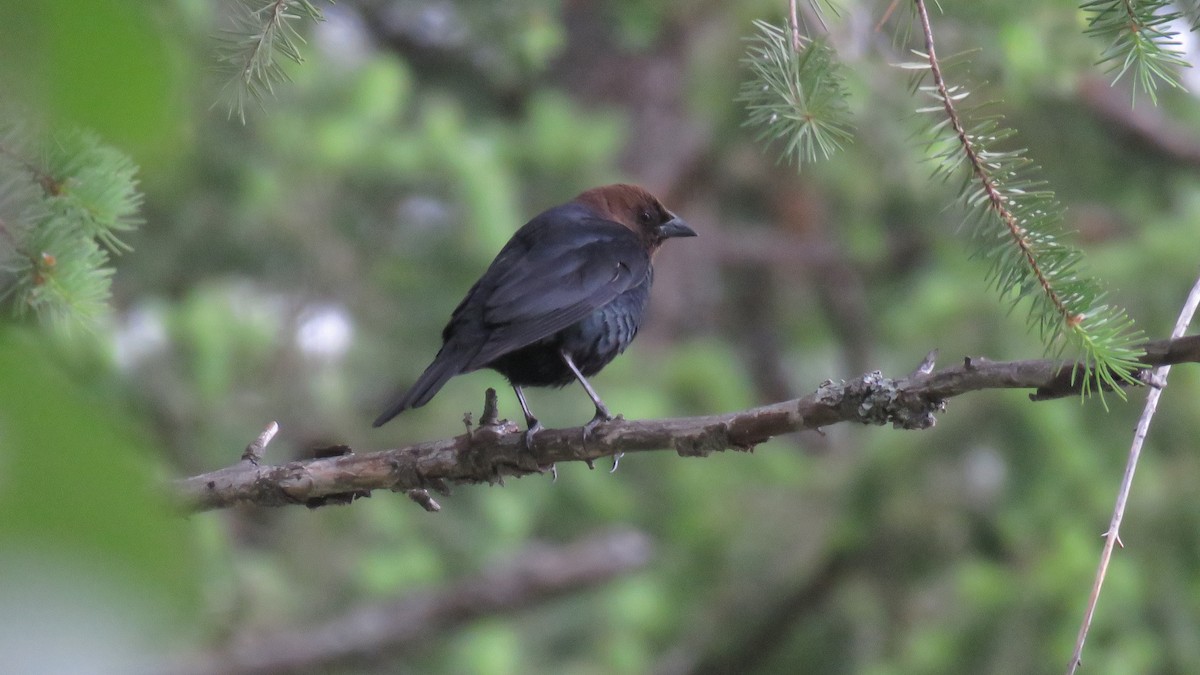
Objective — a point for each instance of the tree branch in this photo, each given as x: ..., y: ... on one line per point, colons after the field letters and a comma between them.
x: 1113, y: 537
x: 539, y: 574
x: 494, y: 449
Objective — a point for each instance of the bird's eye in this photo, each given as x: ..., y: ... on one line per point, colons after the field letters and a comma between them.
x: 644, y: 217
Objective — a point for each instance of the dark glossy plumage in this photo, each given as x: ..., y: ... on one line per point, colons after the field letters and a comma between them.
x: 566, y: 292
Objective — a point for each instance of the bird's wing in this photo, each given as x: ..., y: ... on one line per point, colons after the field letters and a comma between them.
x: 551, y: 276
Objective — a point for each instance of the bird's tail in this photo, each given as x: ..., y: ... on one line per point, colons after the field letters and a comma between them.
x: 432, y: 380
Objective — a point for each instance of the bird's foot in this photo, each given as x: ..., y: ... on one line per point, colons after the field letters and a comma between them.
x: 530, y: 434
x: 527, y: 442
x: 601, y: 417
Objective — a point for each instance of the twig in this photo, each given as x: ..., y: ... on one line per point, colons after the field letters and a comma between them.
x: 1112, y: 537
x: 797, y: 42
x: 422, y: 498
x: 887, y: 14
x: 486, y: 454
x: 254, y: 451
x: 996, y: 199
x: 540, y: 574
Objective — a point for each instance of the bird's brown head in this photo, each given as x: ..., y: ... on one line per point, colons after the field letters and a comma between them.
x: 638, y: 210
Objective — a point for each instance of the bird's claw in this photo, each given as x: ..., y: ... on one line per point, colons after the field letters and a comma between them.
x: 527, y: 442
x: 601, y: 417
x: 530, y: 433
x: 616, y: 462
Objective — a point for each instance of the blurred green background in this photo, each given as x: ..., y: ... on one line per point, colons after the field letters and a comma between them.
x: 300, y: 267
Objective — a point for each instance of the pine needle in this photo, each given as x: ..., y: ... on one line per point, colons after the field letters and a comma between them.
x: 796, y: 97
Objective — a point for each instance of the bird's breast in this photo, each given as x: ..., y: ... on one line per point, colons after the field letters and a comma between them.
x: 596, y: 340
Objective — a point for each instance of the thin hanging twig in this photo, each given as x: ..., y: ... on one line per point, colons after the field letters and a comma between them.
x: 1112, y: 538
x: 797, y: 44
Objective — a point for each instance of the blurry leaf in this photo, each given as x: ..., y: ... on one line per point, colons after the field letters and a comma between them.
x: 107, y: 69
x: 387, y: 572
x: 476, y: 168
x: 560, y: 136
x: 223, y: 328
x: 382, y: 90
x: 706, y: 375
x: 75, y: 474
x: 83, y: 519
x: 488, y: 647
x: 541, y: 40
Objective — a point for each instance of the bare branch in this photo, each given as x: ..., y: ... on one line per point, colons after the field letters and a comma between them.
x: 540, y: 574
x: 1158, y: 378
x: 490, y: 452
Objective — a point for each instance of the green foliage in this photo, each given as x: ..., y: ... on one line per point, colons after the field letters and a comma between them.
x: 108, y: 66
x: 84, y: 527
x: 249, y: 52
x: 795, y: 96
x: 1016, y: 224
x: 63, y: 201
x: 1140, y: 39
x: 94, y: 185
x: 381, y: 187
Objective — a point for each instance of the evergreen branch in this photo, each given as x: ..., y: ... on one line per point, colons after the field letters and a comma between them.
x: 795, y: 94
x: 818, y: 7
x: 21, y: 206
x: 1028, y: 257
x: 1140, y: 39
x: 95, y: 185
x: 9, y: 144
x: 248, y: 50
x: 70, y: 275
x: 491, y: 451
x: 59, y: 218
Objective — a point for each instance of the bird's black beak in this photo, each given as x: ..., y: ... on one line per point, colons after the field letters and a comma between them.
x: 675, y: 227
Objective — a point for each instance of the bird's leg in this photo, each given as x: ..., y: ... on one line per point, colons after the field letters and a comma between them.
x: 532, y: 427
x: 602, y: 415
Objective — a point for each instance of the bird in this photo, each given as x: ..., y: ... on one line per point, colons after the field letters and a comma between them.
x: 560, y: 301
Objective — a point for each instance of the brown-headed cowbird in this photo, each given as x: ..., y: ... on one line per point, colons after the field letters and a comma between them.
x: 563, y: 297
